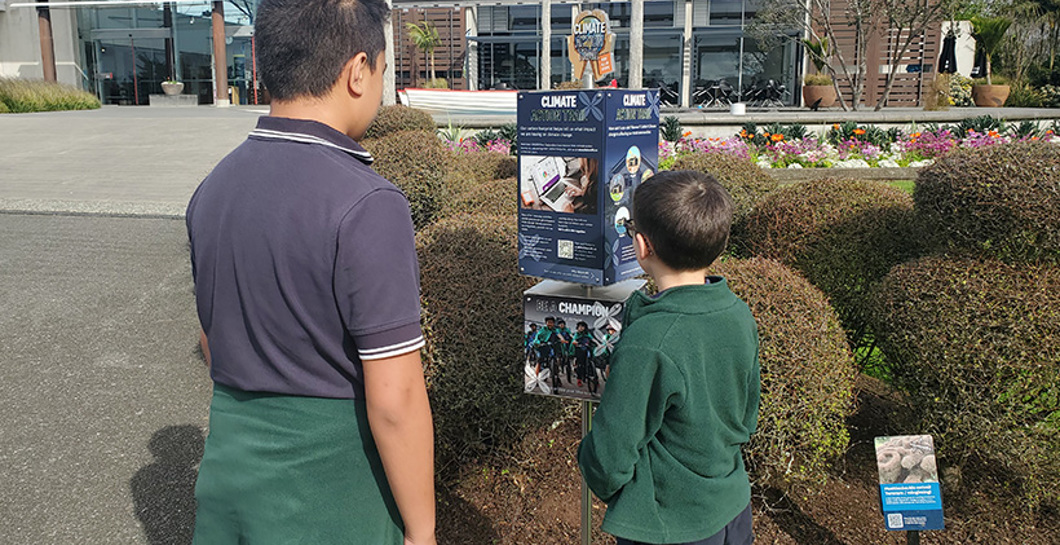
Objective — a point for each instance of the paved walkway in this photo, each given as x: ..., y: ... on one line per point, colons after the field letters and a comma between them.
x: 115, y: 159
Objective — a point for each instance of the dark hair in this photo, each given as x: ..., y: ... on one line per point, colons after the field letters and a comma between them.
x: 547, y: 318
x: 581, y: 324
x: 686, y: 215
x: 304, y: 44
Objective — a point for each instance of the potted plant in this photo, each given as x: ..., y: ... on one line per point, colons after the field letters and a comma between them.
x: 172, y: 87
x: 988, y: 32
x: 818, y: 90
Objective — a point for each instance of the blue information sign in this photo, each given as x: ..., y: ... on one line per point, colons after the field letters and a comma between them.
x: 582, y: 154
x: 909, y: 485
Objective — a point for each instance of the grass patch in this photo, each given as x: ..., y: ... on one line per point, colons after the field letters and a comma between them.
x: 872, y: 361
x: 904, y: 185
x: 23, y: 96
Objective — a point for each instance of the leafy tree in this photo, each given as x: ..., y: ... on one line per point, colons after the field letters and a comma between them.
x: 425, y: 36
x: 988, y: 33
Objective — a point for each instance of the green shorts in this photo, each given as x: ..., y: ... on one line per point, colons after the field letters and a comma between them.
x: 281, y: 469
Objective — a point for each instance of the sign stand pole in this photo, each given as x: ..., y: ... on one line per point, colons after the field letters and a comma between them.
x: 912, y: 537
x: 587, y: 495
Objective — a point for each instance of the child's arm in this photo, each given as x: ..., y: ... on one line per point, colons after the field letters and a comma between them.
x: 399, y: 415
x: 642, y: 385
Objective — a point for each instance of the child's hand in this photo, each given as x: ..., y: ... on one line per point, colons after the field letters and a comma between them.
x: 573, y: 191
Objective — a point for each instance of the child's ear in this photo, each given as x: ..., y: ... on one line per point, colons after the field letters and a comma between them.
x: 642, y: 246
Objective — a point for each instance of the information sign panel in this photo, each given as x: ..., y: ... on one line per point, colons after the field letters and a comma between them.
x: 582, y: 154
x: 909, y: 482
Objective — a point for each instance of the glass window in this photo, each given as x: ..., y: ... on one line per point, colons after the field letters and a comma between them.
x: 659, y: 14
x: 726, y: 12
x: 523, y: 18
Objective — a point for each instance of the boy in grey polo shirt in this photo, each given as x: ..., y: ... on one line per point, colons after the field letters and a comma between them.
x: 307, y: 289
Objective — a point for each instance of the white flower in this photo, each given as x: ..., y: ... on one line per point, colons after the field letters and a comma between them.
x: 794, y: 165
x: 852, y: 163
x: 889, y: 163
x: 924, y: 163
x: 764, y: 163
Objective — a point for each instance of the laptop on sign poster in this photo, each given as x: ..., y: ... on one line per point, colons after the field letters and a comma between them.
x: 548, y: 181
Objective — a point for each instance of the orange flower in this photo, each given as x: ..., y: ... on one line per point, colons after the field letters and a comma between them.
x: 1050, y: 131
x: 714, y: 139
x: 859, y: 131
x: 778, y: 137
x: 743, y: 133
x: 835, y: 126
x: 993, y: 134
x: 1034, y: 138
x: 687, y: 134
x: 915, y: 135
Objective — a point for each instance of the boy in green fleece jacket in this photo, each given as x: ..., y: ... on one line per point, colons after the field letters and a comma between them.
x: 664, y: 452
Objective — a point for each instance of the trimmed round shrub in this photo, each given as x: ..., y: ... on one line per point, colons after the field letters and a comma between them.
x: 976, y: 346
x: 745, y: 181
x: 494, y: 197
x: 416, y: 162
x: 999, y: 201
x: 3, y: 108
x: 398, y: 118
x: 843, y: 236
x: 807, y: 374
x: 471, y: 168
x: 22, y: 96
x: 473, y: 322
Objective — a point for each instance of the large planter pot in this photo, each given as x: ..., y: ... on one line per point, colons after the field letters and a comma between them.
x: 812, y: 93
x: 991, y: 96
x: 174, y: 88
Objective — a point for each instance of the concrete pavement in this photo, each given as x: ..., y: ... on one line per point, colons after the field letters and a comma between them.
x: 104, y: 392
x: 144, y: 161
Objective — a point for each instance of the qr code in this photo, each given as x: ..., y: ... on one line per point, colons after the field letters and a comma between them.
x: 894, y: 520
x: 565, y: 250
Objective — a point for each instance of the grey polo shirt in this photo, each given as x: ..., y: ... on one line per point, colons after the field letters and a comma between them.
x: 304, y: 263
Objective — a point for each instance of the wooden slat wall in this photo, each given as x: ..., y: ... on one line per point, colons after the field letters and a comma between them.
x: 909, y: 87
x: 410, y: 64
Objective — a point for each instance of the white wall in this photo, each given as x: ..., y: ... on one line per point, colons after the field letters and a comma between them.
x: 965, y: 46
x: 20, y: 45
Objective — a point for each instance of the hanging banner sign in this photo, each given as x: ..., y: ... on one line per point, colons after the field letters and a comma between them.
x: 591, y: 43
x: 909, y: 482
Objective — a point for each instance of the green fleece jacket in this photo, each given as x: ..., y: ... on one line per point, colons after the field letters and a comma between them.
x: 682, y: 397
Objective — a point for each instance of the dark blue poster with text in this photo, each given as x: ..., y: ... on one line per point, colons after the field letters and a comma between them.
x: 582, y: 154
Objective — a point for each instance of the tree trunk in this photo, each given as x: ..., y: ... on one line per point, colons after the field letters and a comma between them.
x: 434, y: 75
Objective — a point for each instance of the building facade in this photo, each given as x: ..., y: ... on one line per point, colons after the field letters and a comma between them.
x: 695, y: 51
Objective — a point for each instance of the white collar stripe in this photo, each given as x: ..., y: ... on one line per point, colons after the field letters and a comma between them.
x: 309, y: 139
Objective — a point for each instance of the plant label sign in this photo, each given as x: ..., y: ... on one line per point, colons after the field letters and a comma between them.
x: 909, y: 482
x: 582, y: 154
x: 569, y: 334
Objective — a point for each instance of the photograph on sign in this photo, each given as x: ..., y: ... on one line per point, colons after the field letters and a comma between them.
x: 569, y: 337
x: 559, y: 184
x: 909, y: 482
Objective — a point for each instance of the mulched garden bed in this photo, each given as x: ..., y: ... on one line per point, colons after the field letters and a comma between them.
x: 532, y: 496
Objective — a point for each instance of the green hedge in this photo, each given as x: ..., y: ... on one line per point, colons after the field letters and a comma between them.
x: 842, y: 235
x: 746, y: 182
x: 469, y: 169
x: 473, y: 322
x: 999, y: 201
x: 398, y: 118
x: 807, y: 374
x: 23, y: 96
x: 3, y: 108
x: 976, y: 345
x: 492, y: 197
x: 416, y: 162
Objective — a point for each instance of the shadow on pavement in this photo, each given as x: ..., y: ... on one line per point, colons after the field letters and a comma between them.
x: 164, y: 490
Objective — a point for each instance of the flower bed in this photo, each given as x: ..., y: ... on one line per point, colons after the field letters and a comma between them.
x: 850, y: 145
